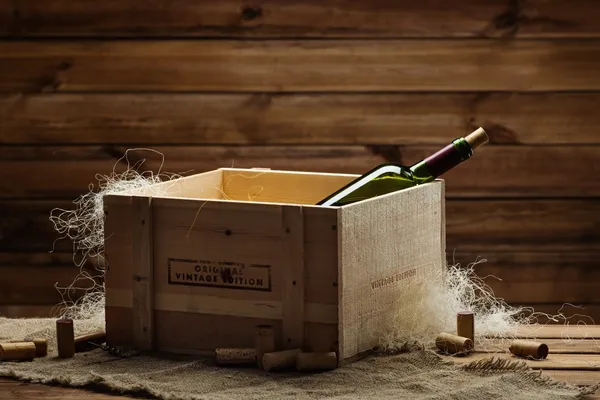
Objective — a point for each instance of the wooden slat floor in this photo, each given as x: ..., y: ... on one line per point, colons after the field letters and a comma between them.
x: 574, y: 353
x: 574, y: 358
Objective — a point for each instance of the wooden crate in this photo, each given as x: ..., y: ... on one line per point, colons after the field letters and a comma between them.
x: 218, y: 253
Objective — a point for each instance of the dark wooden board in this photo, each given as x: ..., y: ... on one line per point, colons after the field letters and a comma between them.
x: 501, y: 171
x: 27, y: 285
x: 14, y: 389
x: 563, y: 313
x: 28, y: 279
x: 479, y: 227
x: 298, y: 119
x: 585, y: 362
x: 589, y: 331
x: 534, y: 277
x: 482, y: 226
x: 578, y: 378
x: 25, y: 227
x: 306, y: 18
x: 37, y: 259
x: 29, y: 310
x: 299, y: 65
x: 555, y: 346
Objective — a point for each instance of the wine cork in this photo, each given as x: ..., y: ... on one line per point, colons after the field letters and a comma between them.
x: 17, y: 351
x: 529, y: 349
x: 65, y: 338
x: 453, y: 344
x: 279, y: 360
x: 477, y: 138
x: 465, y: 325
x: 316, y: 361
x: 41, y: 347
x: 82, y: 342
x: 235, y: 356
x: 264, y: 342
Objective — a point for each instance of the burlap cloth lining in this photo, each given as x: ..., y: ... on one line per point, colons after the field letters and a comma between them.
x: 415, y: 374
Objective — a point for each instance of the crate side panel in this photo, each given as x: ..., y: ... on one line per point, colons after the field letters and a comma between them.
x: 391, y: 248
x: 192, y: 230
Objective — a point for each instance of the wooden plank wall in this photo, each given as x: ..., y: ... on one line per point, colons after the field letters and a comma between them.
x: 335, y: 86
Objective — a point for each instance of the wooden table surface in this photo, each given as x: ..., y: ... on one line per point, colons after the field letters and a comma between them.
x: 574, y: 353
x: 574, y: 358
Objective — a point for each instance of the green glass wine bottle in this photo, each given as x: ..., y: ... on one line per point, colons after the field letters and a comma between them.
x: 391, y: 177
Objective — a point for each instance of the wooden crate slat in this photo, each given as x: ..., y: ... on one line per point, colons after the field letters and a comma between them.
x: 143, y: 295
x: 278, y: 18
x: 293, y: 277
x: 296, y: 65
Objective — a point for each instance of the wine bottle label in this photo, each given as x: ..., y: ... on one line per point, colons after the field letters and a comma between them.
x: 443, y: 160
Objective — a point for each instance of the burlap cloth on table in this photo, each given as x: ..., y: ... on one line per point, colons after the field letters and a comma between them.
x: 413, y: 374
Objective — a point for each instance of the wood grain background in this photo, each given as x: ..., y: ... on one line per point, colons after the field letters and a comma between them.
x: 330, y: 85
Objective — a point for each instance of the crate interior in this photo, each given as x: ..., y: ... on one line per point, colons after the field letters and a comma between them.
x: 253, y: 185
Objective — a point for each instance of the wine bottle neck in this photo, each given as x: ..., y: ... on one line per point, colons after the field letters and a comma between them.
x: 443, y: 160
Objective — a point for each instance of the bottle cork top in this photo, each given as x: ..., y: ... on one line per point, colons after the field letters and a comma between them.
x: 477, y: 138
